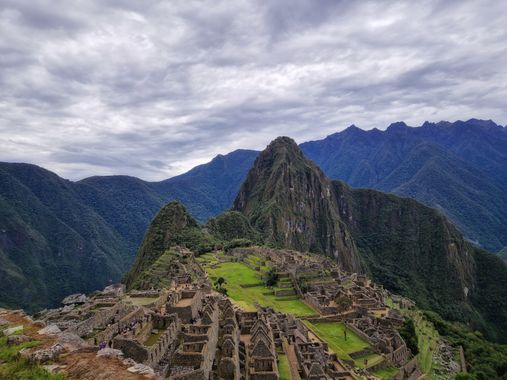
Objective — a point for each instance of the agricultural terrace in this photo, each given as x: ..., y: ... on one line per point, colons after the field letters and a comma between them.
x: 245, y: 285
x: 333, y: 333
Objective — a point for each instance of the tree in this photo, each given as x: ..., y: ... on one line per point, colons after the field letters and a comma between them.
x: 271, y: 278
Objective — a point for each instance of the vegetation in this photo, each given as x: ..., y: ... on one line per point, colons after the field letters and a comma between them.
x: 271, y: 278
x: 246, y: 288
x: 16, y: 368
x: 459, y: 168
x: 172, y: 226
x: 341, y: 340
x: 486, y: 360
x: 232, y: 226
x: 283, y: 367
x: 409, y: 335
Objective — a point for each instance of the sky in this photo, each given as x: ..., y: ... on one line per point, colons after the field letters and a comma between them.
x: 153, y: 88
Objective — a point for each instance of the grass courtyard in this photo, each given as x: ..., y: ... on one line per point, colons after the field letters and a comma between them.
x: 245, y: 286
x: 283, y: 367
x: 333, y: 333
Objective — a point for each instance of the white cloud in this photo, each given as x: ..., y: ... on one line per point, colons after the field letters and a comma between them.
x: 153, y: 88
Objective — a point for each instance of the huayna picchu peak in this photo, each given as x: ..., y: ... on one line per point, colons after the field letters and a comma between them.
x: 292, y: 203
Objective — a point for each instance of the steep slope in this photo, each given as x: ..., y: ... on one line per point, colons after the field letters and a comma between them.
x: 172, y: 227
x: 403, y: 244
x: 50, y: 242
x: 54, y: 233
x: 410, y: 248
x: 460, y: 168
x: 291, y: 202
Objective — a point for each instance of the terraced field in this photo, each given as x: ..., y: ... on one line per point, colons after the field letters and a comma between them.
x: 333, y: 333
x: 246, y: 287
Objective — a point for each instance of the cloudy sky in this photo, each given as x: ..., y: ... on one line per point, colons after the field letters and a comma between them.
x: 152, y: 88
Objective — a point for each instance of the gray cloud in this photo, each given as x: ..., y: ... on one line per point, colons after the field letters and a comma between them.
x: 154, y: 88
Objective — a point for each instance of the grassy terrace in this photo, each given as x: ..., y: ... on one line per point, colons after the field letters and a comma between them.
x: 283, y: 367
x: 245, y: 286
x: 153, y: 338
x: 427, y: 340
x: 386, y: 373
x: 333, y: 334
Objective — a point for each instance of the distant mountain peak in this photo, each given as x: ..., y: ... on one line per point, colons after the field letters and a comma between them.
x: 397, y: 126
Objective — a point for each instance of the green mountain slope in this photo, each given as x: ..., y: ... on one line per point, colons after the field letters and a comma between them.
x: 50, y: 242
x: 409, y: 247
x: 459, y: 168
x: 291, y: 202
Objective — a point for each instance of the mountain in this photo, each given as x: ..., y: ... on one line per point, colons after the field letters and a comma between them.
x: 50, y: 242
x: 459, y: 168
x: 408, y: 247
x: 54, y: 233
x: 172, y: 226
x: 291, y: 202
x: 503, y: 253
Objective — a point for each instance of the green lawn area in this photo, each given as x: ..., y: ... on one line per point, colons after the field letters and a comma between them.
x: 142, y: 301
x: 373, y: 359
x: 333, y: 334
x: 283, y: 367
x: 427, y: 341
x: 153, y: 338
x: 237, y: 274
x: 386, y: 373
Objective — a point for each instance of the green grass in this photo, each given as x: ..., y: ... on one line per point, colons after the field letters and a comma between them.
x: 427, y: 341
x: 283, y: 368
x: 333, y: 334
x: 237, y: 274
x: 12, y: 367
x: 373, y: 359
x: 386, y: 373
x: 153, y: 338
x: 142, y: 301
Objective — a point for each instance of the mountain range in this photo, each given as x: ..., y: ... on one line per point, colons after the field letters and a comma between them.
x: 408, y: 247
x: 54, y: 232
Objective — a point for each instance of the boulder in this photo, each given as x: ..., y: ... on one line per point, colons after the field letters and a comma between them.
x: 14, y: 340
x: 71, y: 341
x: 54, y: 368
x: 12, y: 330
x: 141, y: 369
x: 110, y: 353
x: 3, y: 322
x: 75, y: 298
x: 50, y: 330
x: 43, y: 355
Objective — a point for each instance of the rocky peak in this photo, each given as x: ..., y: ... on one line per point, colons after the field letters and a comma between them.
x: 291, y: 202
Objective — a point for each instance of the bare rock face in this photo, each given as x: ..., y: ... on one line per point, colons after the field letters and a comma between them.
x: 75, y: 299
x: 50, y: 330
x: 141, y: 369
x: 71, y: 342
x: 110, y: 353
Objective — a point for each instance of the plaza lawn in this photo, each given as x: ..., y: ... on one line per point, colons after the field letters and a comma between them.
x: 283, y: 367
x: 238, y: 274
x: 386, y: 373
x: 333, y: 334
